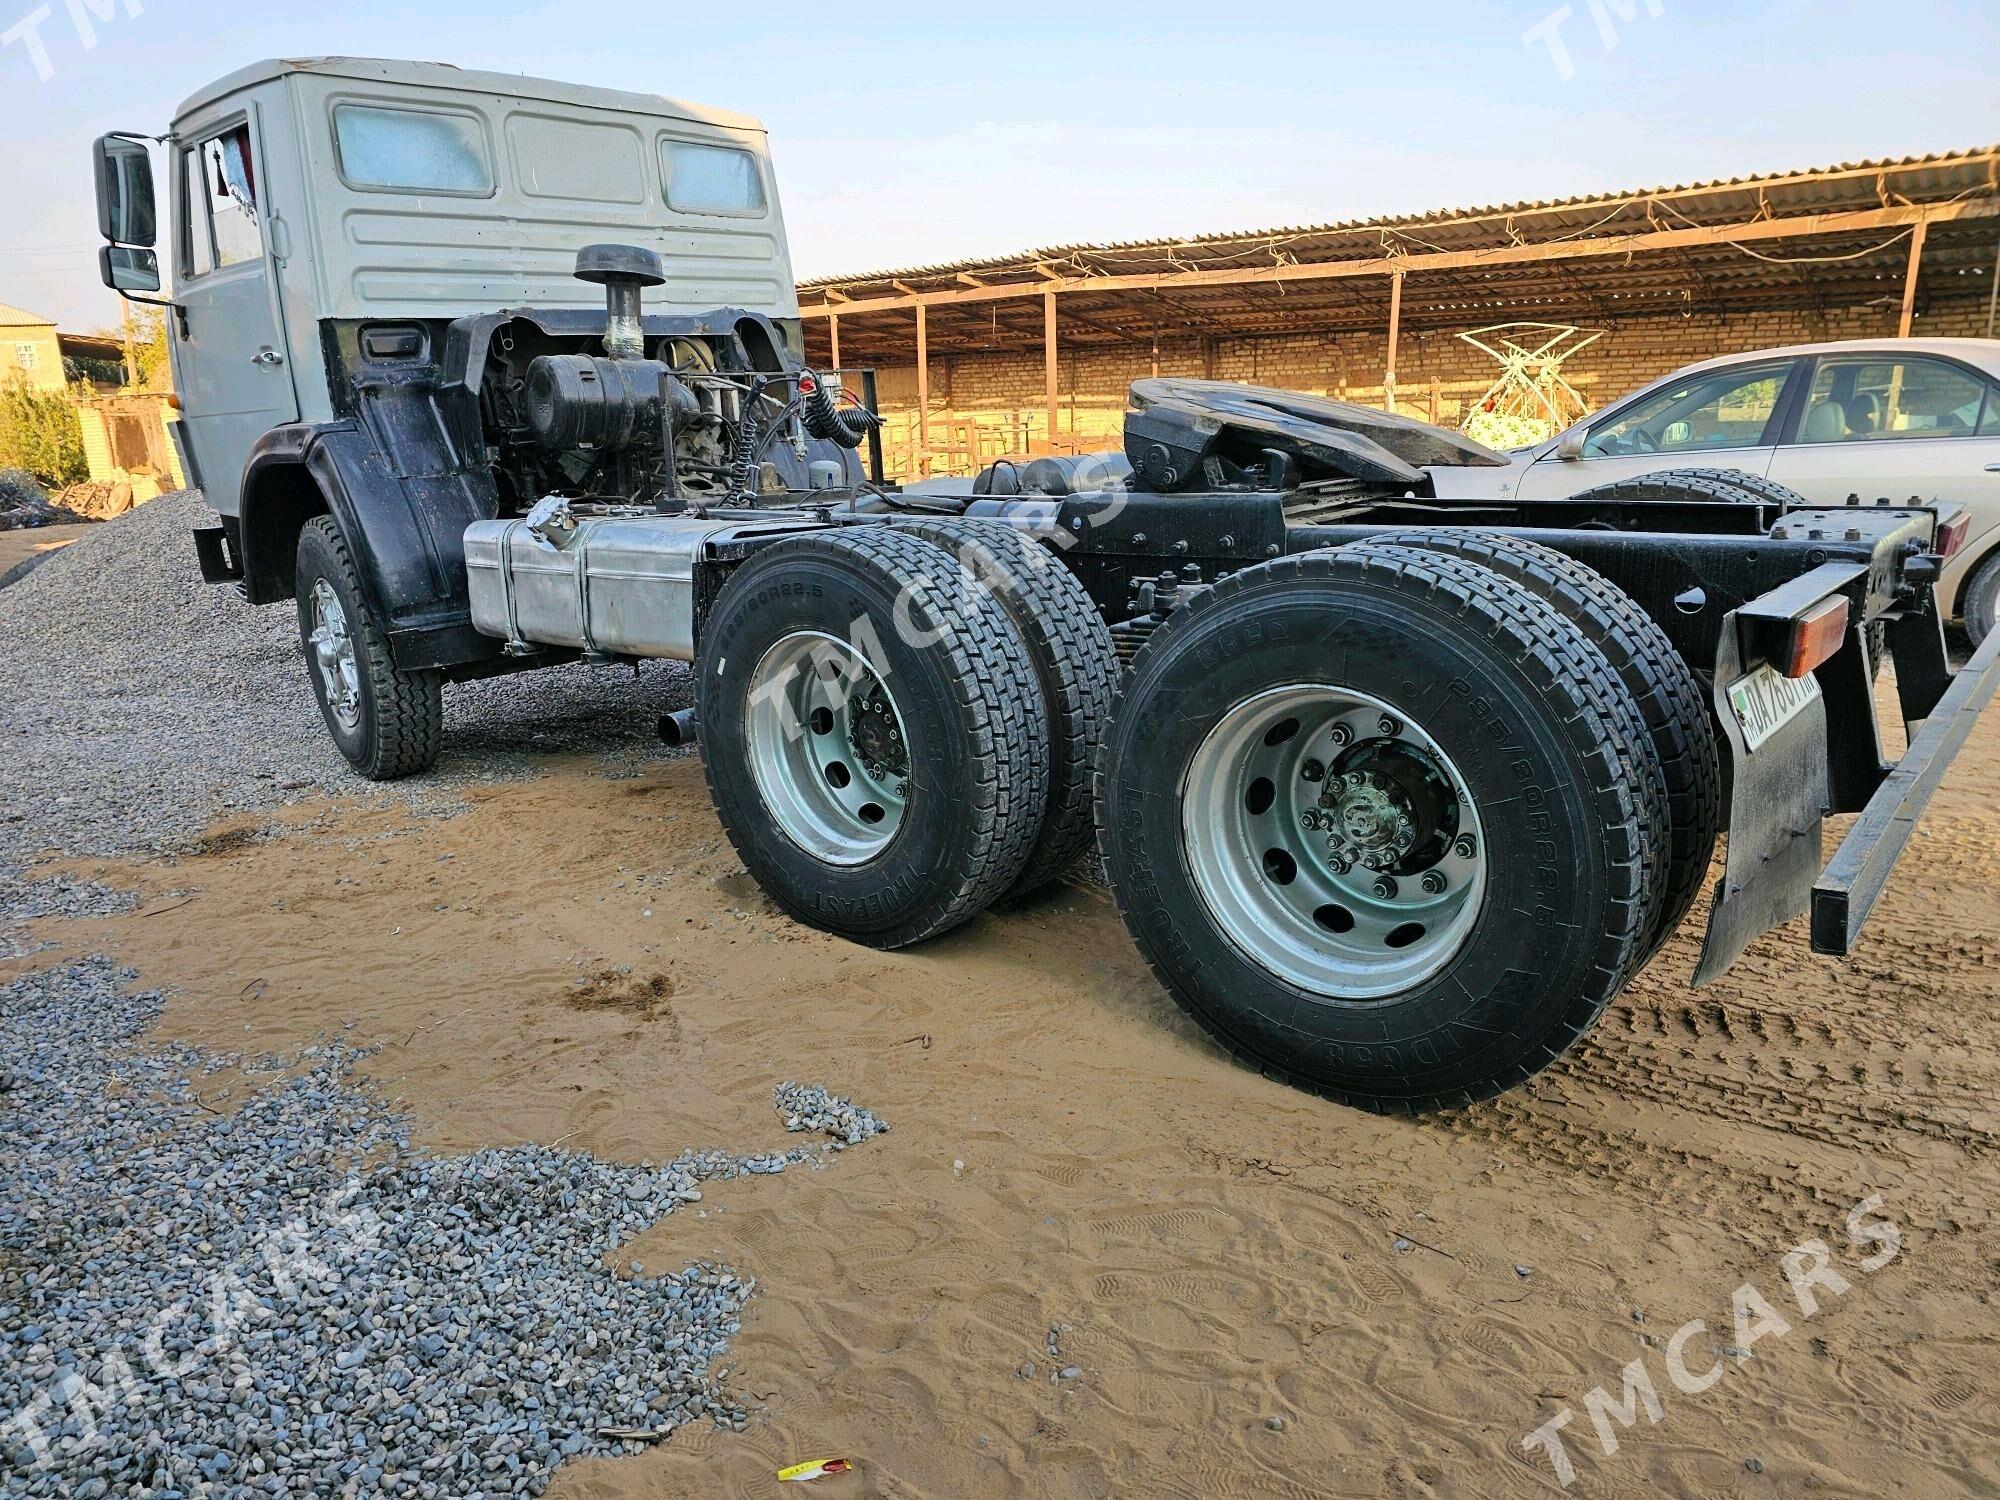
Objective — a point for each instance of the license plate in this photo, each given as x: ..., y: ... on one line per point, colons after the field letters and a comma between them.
x: 1766, y: 701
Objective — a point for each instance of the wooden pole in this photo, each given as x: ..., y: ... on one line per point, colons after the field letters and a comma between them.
x: 1395, y: 331
x: 131, y: 358
x: 1910, y: 278
x: 923, y: 395
x: 833, y: 333
x: 1050, y: 366
x: 1993, y: 293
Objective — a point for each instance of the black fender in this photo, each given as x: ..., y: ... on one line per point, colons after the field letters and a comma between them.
x: 393, y: 484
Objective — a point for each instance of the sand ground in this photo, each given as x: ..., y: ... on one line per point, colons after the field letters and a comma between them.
x: 582, y: 959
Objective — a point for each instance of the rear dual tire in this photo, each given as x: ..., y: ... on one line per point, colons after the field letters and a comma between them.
x: 1513, y: 707
x: 1075, y: 663
x: 874, y: 736
x: 1656, y: 679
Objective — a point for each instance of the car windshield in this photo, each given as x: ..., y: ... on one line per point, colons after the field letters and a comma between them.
x: 1715, y: 409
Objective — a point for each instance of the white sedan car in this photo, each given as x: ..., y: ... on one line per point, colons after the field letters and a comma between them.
x: 1907, y: 420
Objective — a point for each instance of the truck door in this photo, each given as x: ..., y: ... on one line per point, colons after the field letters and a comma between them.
x: 230, y: 362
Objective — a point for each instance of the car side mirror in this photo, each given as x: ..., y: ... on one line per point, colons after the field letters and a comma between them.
x: 126, y: 268
x: 1571, y: 446
x: 125, y: 192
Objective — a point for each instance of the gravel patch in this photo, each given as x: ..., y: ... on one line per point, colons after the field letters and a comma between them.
x: 141, y: 703
x: 287, y: 1298
x: 23, y: 900
x: 60, y: 896
x: 807, y: 1106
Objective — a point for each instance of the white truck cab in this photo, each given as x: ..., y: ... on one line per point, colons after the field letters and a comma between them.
x: 318, y: 203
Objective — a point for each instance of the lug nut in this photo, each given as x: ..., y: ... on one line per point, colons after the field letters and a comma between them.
x: 1342, y: 735
x: 1464, y: 848
x: 1433, y: 883
x: 1385, y: 887
x: 1312, y: 770
x: 1389, y: 724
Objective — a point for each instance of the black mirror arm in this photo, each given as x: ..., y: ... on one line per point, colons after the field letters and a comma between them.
x: 178, y: 310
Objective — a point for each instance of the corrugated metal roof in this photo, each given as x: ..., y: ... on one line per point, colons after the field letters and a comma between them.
x: 1851, y: 185
x: 20, y: 317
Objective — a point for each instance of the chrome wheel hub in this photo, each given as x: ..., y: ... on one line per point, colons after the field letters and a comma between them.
x: 827, y: 747
x: 1333, y: 841
x: 332, y: 650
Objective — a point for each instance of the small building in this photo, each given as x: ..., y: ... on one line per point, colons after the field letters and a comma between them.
x: 125, y: 440
x: 29, y: 352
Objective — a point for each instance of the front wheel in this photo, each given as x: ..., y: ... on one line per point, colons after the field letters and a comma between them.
x: 387, y: 722
x: 1366, y: 815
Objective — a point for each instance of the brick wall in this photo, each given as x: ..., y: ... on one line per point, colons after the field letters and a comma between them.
x: 988, y: 406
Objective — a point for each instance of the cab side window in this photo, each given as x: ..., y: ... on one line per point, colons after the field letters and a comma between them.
x: 412, y: 150
x: 1872, y: 400
x: 1716, y: 409
x: 221, y: 222
x: 707, y: 179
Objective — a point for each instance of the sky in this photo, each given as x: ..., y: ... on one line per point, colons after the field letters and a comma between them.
x: 907, y: 135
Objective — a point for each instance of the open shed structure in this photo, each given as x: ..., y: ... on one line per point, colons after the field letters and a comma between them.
x: 1030, y: 353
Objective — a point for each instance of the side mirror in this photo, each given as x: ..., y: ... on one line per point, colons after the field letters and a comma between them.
x: 126, y: 268
x: 1571, y: 446
x: 125, y: 192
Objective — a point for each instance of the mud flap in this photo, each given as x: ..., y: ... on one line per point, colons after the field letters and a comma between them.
x: 1854, y: 878
x: 1776, y: 808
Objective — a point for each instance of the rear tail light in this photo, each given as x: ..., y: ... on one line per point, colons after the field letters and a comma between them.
x: 1951, y: 532
x: 1817, y: 636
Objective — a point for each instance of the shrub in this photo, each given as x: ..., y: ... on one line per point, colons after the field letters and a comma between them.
x: 39, y: 433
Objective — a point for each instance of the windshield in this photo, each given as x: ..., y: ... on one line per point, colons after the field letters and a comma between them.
x: 1715, y: 409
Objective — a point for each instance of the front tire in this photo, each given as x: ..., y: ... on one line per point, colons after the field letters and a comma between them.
x: 387, y: 722
x: 1478, y: 691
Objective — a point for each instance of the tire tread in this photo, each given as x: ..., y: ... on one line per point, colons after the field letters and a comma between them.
x: 1573, y: 676
x: 1075, y: 661
x: 407, y: 708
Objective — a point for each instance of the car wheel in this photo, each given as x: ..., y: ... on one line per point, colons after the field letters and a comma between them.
x: 1979, y: 602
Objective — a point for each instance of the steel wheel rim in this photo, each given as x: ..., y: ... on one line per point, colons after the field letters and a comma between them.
x: 332, y: 647
x: 1264, y: 847
x: 828, y: 748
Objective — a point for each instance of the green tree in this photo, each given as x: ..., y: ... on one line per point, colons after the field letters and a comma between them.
x: 39, y: 433
x: 149, y: 345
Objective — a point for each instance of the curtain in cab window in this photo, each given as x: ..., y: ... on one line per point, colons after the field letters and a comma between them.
x: 223, y: 228
x: 411, y: 150
x: 705, y: 179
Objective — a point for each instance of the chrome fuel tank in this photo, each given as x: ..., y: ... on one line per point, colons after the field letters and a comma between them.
x: 621, y: 583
